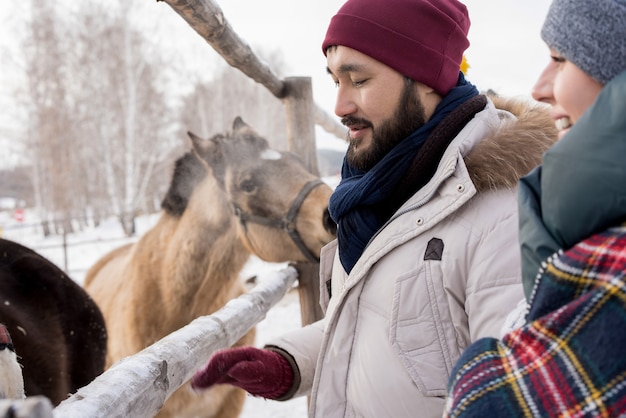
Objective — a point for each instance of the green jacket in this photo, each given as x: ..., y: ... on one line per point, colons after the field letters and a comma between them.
x: 580, y: 188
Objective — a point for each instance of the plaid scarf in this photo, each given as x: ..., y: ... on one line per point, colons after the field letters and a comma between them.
x: 569, y: 359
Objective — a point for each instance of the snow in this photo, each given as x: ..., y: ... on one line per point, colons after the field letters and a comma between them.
x: 84, y: 248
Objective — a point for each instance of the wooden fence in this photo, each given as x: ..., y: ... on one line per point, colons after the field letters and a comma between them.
x: 137, y: 386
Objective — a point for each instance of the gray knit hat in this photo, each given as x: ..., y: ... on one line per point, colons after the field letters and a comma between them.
x: 589, y: 33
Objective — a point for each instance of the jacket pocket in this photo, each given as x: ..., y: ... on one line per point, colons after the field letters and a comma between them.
x: 421, y: 330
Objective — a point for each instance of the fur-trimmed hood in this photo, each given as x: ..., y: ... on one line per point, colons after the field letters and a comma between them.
x: 513, y: 150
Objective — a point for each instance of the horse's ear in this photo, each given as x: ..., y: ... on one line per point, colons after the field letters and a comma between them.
x: 200, y: 145
x: 242, y: 128
x: 194, y: 138
x: 208, y: 151
x: 238, y: 124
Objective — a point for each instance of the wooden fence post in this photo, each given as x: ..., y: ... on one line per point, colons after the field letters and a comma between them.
x: 299, y: 108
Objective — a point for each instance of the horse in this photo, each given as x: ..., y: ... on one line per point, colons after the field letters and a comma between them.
x: 53, y: 326
x: 230, y: 197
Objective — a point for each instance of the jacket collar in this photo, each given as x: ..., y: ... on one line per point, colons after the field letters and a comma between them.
x: 514, y: 148
x: 503, y: 143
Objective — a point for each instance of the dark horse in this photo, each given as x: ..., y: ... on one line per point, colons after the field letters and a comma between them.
x: 57, y: 330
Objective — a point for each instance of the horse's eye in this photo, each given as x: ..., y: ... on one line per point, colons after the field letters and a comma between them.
x: 248, y: 185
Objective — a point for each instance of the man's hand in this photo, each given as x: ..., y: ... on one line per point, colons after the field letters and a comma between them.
x: 259, y: 372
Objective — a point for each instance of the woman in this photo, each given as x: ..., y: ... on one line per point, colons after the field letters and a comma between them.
x: 568, y: 358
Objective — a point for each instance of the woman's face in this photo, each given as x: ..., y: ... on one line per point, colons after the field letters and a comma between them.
x: 568, y: 89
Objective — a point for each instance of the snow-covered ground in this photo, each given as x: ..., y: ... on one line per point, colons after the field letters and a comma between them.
x: 97, y: 241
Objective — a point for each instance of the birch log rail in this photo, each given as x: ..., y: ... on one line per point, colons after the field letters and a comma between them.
x: 137, y: 386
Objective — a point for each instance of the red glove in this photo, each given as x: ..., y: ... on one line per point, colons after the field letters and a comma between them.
x: 259, y: 372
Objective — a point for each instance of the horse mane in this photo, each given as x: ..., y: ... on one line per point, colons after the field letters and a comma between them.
x: 188, y: 173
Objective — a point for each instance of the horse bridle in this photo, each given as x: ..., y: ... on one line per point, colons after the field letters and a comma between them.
x: 287, y: 223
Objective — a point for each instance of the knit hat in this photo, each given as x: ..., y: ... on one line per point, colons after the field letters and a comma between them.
x: 589, y: 33
x: 421, y: 39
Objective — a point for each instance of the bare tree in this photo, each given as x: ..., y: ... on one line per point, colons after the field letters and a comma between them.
x: 99, y: 121
x: 134, y: 124
x: 50, y: 127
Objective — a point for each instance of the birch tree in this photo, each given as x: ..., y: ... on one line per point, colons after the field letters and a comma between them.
x: 49, y: 135
x: 129, y: 122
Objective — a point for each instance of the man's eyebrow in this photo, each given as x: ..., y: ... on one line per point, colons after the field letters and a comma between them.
x: 347, y: 68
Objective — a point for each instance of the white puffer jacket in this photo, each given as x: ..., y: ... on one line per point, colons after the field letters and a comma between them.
x: 443, y: 272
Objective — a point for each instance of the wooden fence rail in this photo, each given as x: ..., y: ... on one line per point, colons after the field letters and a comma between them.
x: 138, y: 385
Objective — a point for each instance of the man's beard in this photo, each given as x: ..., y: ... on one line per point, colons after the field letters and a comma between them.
x: 410, y: 116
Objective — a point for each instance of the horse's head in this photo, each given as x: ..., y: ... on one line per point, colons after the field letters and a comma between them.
x: 280, y: 207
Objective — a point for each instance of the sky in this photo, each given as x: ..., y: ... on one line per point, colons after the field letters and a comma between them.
x: 506, y: 53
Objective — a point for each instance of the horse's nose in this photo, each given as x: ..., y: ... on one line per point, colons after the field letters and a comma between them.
x: 5, y: 338
x: 329, y: 224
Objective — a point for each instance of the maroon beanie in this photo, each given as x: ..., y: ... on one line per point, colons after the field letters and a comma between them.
x: 421, y: 39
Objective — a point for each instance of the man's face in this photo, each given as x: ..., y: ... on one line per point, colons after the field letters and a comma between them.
x: 375, y: 102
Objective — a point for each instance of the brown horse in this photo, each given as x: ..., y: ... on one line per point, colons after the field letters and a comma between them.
x: 55, y: 328
x: 230, y: 197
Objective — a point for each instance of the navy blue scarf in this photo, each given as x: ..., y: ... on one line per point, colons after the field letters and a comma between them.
x: 359, y: 204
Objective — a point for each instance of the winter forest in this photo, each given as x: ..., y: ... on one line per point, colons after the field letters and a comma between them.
x: 101, y: 119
